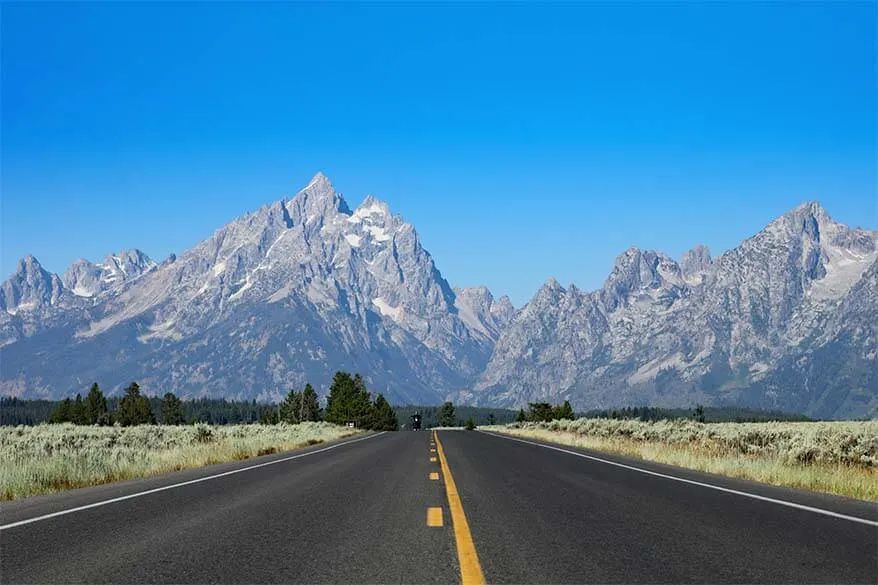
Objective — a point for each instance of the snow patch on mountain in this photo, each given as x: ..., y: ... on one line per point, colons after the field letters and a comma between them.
x: 385, y: 309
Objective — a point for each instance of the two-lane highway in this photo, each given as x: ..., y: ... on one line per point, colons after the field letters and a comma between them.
x: 414, y: 507
x: 352, y: 514
x: 540, y: 515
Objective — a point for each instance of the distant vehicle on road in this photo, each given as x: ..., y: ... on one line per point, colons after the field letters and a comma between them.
x: 416, y: 421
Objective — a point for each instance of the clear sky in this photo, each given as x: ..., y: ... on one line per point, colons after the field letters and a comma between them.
x: 522, y: 140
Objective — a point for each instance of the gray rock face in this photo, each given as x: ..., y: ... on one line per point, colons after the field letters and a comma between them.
x: 287, y: 294
x: 484, y: 316
x: 31, y: 300
x: 306, y: 286
x: 757, y: 326
x: 696, y: 264
x: 85, y: 279
x: 31, y: 288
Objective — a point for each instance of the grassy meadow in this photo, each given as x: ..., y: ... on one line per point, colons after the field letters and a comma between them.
x: 48, y: 458
x: 835, y: 457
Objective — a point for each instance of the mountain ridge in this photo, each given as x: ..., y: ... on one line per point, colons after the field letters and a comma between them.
x: 305, y: 285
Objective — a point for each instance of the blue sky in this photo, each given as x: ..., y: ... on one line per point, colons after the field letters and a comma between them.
x: 522, y: 140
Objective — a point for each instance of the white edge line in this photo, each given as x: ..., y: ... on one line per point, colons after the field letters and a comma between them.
x: 693, y: 482
x: 180, y: 484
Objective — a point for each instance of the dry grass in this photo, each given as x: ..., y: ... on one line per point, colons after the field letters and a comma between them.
x: 834, y: 457
x: 49, y: 458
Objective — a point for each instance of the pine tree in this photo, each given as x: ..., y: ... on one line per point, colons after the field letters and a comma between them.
x: 384, y: 416
x: 540, y: 411
x: 172, y: 410
x: 565, y: 411
x: 470, y: 424
x: 96, y: 411
x: 63, y: 413
x: 310, y: 407
x: 290, y: 410
x: 521, y: 416
x: 77, y: 411
x: 134, y: 408
x: 446, y: 416
x: 348, y: 401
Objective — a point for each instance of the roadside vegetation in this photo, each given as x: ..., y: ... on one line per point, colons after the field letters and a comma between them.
x: 98, y: 440
x: 834, y: 457
x: 44, y: 458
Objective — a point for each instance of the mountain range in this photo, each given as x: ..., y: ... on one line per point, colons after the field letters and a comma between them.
x: 306, y: 286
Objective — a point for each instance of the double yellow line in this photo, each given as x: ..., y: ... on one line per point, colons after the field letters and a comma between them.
x: 470, y: 568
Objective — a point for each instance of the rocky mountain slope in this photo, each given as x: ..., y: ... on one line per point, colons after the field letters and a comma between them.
x: 287, y: 294
x: 306, y: 286
x: 785, y: 320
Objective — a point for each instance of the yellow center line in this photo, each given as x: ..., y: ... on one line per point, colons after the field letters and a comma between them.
x: 470, y: 568
x: 434, y: 517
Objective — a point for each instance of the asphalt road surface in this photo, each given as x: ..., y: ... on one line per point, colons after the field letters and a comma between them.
x: 404, y: 508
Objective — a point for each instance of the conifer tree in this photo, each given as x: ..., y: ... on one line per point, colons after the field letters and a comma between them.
x: 96, y: 411
x: 348, y: 401
x: 134, y: 408
x: 564, y: 411
x: 63, y: 412
x: 384, y: 418
x: 446, y: 417
x: 172, y: 410
x: 290, y: 410
x: 540, y: 411
x: 77, y: 411
x: 310, y: 405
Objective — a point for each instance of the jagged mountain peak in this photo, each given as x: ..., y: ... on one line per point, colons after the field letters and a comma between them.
x: 548, y: 295
x: 373, y: 210
x: 808, y: 220
x: 480, y: 292
x: 484, y: 316
x: 699, y: 252
x: 503, y: 302
x: 30, y: 287
x: 552, y: 284
x: 696, y: 263
x: 638, y: 272
x: 318, y: 200
x: 87, y: 279
x: 319, y: 183
x: 27, y: 264
x: 809, y: 208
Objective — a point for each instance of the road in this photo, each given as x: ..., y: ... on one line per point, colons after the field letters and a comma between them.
x: 360, y: 511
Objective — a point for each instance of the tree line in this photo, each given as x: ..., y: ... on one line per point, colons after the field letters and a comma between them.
x: 132, y: 409
x: 95, y: 408
x: 217, y: 411
x: 349, y: 402
x: 545, y: 412
x: 455, y: 416
x: 710, y: 414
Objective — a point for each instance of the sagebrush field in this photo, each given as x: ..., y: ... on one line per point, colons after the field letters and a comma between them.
x: 48, y: 458
x: 834, y: 457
